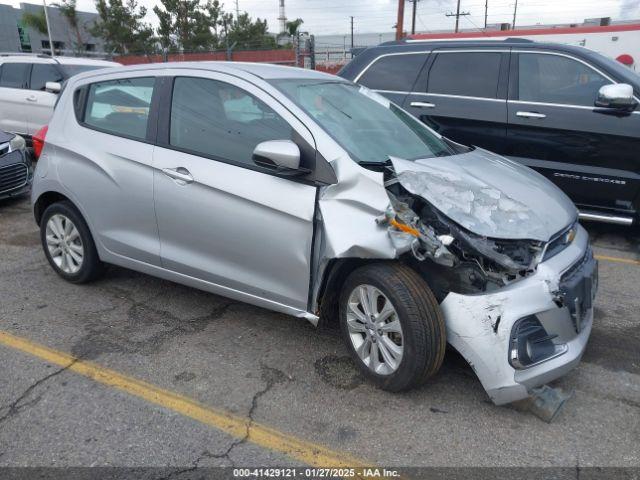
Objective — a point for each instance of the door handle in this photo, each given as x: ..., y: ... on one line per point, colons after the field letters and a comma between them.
x: 423, y: 104
x: 180, y: 174
x: 531, y: 115
x: 32, y: 98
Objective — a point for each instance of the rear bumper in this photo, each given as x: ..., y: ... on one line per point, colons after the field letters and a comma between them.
x: 480, y: 327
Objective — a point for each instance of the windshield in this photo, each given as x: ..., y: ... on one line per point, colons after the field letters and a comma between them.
x: 71, y: 70
x: 364, y: 123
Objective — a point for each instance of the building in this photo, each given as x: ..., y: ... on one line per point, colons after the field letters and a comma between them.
x: 15, y: 36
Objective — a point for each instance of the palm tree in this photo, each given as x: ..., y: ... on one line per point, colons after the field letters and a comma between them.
x: 69, y: 11
x: 37, y: 21
x: 293, y: 26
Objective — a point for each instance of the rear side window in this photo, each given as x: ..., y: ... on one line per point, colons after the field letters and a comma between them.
x: 393, y: 72
x: 555, y: 79
x: 41, y: 73
x: 470, y: 74
x: 219, y: 120
x: 120, y: 107
x: 13, y: 75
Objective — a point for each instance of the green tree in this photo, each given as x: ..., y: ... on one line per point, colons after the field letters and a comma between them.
x: 293, y: 26
x: 70, y: 13
x: 247, y: 34
x: 122, y: 28
x: 37, y: 21
x: 187, y: 25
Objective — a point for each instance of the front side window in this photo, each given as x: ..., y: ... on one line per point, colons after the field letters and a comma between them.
x: 556, y: 79
x: 41, y: 73
x: 364, y: 123
x: 469, y: 74
x: 13, y: 75
x: 219, y: 120
x: 393, y: 72
x: 120, y: 106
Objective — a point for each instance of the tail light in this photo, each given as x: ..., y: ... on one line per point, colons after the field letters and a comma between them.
x: 38, y: 141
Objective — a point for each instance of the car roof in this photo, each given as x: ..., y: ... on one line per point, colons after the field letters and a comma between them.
x: 85, y: 61
x: 37, y: 58
x: 264, y: 71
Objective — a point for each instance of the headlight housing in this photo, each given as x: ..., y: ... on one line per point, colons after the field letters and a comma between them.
x: 17, y: 143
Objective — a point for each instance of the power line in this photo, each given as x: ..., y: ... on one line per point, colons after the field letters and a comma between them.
x: 400, y: 22
x: 457, y: 15
x: 515, y: 9
x: 413, y: 16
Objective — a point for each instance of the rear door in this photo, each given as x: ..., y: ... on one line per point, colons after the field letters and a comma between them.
x: 13, y: 97
x: 40, y: 103
x: 393, y: 75
x: 554, y: 127
x: 462, y: 95
x: 107, y: 163
x: 221, y: 218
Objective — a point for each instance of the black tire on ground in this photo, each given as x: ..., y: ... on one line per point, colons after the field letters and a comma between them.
x: 91, y: 267
x: 422, y: 322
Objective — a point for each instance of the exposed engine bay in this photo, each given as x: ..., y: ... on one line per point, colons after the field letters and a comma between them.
x: 451, y: 257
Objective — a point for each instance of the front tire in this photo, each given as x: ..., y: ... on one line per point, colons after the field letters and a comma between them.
x: 392, y: 325
x: 68, y: 244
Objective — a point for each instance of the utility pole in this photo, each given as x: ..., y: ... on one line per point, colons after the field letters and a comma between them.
x: 351, y: 35
x: 400, y: 23
x: 457, y: 15
x: 237, y: 11
x: 515, y: 9
x: 413, y: 16
x: 486, y: 11
x: 46, y: 17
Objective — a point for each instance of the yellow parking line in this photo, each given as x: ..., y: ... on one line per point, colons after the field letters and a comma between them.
x: 308, y: 453
x: 628, y: 261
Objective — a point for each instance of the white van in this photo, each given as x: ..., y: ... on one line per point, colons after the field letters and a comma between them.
x: 29, y: 86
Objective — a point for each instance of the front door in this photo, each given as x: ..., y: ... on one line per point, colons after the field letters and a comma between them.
x: 220, y: 218
x: 590, y: 153
x: 41, y: 102
x: 462, y: 95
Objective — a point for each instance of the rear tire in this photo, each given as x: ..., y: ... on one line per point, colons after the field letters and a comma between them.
x: 402, y: 324
x: 68, y: 244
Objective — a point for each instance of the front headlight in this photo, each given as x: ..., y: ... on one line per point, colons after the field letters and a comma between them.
x: 17, y: 143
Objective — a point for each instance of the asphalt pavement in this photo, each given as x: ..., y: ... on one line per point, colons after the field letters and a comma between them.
x: 133, y: 371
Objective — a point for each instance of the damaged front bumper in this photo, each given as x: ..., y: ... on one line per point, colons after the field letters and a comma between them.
x: 484, y: 327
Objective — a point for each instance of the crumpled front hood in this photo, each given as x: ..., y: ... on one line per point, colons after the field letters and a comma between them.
x: 489, y: 195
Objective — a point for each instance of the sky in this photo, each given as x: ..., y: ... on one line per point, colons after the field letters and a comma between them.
x: 324, y: 17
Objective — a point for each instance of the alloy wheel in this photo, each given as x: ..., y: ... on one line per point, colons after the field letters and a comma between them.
x: 64, y: 244
x: 375, y: 330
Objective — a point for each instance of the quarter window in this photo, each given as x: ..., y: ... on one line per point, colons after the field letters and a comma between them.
x: 13, y: 75
x: 219, y: 120
x: 41, y: 73
x: 120, y: 106
x: 556, y: 79
x: 393, y: 72
x: 470, y: 74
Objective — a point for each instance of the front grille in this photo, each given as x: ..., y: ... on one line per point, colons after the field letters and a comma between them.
x: 13, y: 176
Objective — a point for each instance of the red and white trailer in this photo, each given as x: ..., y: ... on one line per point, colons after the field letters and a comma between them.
x: 621, y: 42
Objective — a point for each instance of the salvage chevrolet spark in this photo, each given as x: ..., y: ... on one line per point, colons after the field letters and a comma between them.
x: 309, y: 195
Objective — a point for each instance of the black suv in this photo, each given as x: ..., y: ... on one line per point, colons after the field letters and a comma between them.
x: 568, y: 112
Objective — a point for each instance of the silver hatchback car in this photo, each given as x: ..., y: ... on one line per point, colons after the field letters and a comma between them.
x: 306, y: 194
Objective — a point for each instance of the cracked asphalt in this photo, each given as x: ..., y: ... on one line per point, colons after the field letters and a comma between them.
x: 281, y: 372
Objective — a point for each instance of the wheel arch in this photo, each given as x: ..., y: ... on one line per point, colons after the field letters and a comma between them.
x: 45, y: 200
x: 333, y: 278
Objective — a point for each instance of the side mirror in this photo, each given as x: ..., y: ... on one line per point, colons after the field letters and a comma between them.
x: 280, y: 155
x: 618, y: 96
x: 53, y: 87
